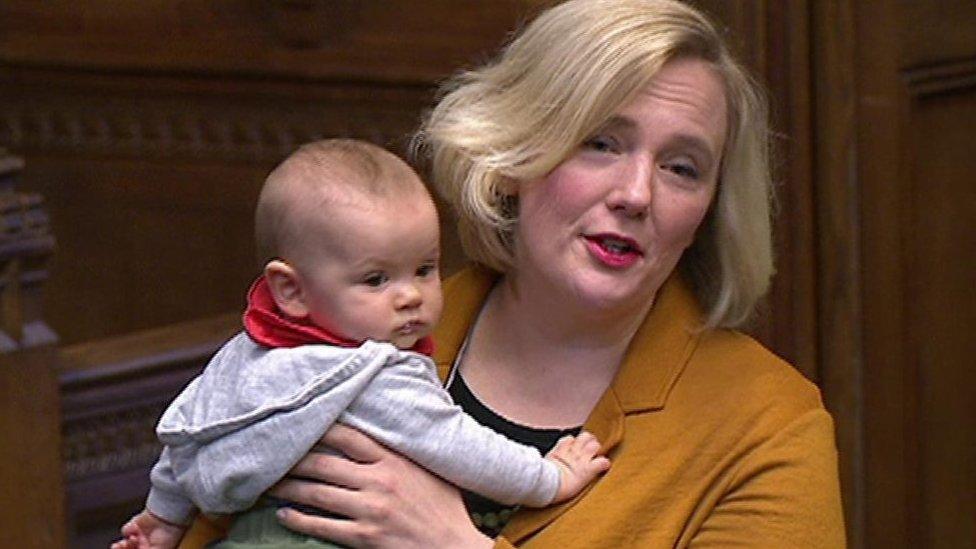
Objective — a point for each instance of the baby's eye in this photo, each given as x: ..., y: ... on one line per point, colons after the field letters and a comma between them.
x: 375, y: 280
x: 426, y: 269
x: 602, y: 143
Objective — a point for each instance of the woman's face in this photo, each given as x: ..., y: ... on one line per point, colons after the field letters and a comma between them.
x: 608, y: 225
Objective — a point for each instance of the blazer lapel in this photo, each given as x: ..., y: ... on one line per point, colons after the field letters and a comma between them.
x: 606, y: 422
x: 653, y: 362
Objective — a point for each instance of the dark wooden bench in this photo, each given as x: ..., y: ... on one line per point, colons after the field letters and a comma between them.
x: 112, y: 393
x: 78, y: 426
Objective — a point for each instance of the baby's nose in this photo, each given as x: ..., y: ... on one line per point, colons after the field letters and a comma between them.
x: 408, y: 297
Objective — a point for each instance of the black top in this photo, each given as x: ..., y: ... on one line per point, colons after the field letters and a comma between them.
x: 490, y: 516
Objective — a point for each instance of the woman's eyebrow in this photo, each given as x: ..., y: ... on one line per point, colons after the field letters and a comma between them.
x: 618, y: 122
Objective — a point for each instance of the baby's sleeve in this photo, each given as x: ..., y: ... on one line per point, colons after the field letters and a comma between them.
x: 239, y: 427
x: 406, y: 409
x: 166, y: 498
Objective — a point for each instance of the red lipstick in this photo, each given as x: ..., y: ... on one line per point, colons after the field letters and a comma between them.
x: 613, y: 250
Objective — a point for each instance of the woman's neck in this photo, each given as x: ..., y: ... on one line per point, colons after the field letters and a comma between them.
x: 537, y: 360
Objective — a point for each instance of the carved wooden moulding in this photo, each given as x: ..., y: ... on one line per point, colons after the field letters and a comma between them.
x: 112, y: 394
x: 243, y: 125
x: 112, y: 442
x: 26, y: 245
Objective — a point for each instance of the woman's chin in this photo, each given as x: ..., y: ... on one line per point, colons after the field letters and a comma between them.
x: 611, y: 295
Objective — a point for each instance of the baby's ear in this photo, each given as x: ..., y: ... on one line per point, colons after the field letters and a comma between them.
x: 286, y: 288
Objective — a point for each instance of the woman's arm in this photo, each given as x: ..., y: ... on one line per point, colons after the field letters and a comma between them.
x: 786, y: 493
x: 390, y: 501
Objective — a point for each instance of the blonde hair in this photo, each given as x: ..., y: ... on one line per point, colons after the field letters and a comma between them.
x: 519, y: 116
x: 316, y: 175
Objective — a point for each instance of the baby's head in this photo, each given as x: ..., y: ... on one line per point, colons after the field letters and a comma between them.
x: 350, y: 241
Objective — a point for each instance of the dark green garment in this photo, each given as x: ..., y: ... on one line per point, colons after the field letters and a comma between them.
x: 259, y: 529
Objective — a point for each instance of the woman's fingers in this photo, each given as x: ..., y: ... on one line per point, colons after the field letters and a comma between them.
x: 334, y: 499
x: 390, y: 501
x: 342, y: 531
x: 354, y: 444
x: 329, y: 468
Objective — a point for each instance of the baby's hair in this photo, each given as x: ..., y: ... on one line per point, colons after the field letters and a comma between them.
x: 316, y: 175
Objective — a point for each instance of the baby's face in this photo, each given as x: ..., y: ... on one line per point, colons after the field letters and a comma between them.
x: 372, y: 270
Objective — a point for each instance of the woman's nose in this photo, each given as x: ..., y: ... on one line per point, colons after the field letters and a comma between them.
x: 408, y: 297
x: 632, y: 194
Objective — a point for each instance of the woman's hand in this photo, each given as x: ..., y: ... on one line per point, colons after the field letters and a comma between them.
x: 390, y: 501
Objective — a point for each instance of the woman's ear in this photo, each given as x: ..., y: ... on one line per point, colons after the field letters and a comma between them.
x: 508, y: 187
x: 286, y: 288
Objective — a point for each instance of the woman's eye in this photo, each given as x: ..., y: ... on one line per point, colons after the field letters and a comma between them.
x: 601, y: 143
x: 687, y: 171
x: 426, y: 270
x: 375, y: 279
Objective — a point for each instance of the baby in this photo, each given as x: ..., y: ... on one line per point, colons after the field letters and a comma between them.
x: 336, y: 329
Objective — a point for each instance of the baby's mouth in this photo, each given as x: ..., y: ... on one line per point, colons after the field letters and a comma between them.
x: 410, y: 327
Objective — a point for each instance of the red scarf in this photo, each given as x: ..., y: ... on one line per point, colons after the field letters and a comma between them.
x: 269, y: 326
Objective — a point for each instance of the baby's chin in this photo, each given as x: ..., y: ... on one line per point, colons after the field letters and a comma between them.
x: 405, y: 343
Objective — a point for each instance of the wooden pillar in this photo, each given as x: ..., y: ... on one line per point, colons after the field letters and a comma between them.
x: 31, y: 473
x: 26, y: 245
x: 32, y: 494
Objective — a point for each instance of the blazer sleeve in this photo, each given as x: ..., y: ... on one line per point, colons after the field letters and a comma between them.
x: 205, y: 530
x: 785, y: 493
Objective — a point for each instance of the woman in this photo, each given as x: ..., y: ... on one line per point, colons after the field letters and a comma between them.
x: 610, y: 175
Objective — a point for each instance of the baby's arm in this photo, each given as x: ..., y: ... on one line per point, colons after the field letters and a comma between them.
x: 236, y: 431
x: 147, y: 531
x: 406, y: 409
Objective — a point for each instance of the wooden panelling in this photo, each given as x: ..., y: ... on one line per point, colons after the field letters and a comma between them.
x: 137, y: 249
x: 113, y: 392
x: 787, y: 320
x: 152, y: 173
x: 372, y: 40
x: 838, y: 235
x: 940, y: 269
x: 793, y: 295
x: 894, y: 111
x: 932, y: 33
x: 889, y: 427
x: 189, y: 119
x: 152, y: 181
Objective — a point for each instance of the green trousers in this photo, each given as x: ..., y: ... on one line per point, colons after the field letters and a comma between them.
x: 259, y: 529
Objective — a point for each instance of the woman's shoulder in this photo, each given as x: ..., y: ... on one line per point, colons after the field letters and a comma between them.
x: 735, y: 369
x: 464, y: 293
x: 471, y: 279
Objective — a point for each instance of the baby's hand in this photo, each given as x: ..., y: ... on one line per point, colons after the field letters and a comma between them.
x: 578, y: 463
x: 147, y: 531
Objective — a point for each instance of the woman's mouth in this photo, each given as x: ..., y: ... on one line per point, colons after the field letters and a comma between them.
x: 613, y: 250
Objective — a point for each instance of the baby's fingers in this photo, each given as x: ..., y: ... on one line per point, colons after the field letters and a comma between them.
x: 130, y: 529
x: 582, y: 446
x: 587, y: 444
x: 598, y: 465
x: 129, y: 542
x: 563, y: 445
